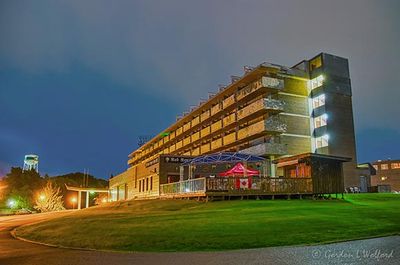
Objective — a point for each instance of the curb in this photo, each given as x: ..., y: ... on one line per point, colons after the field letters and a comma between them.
x: 14, y: 235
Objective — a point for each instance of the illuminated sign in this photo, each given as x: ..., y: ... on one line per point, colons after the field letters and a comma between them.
x: 175, y: 159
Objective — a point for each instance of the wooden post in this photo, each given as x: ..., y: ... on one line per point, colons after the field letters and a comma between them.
x: 87, y: 199
x: 79, y: 199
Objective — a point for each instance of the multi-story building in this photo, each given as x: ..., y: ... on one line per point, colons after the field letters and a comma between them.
x: 271, y: 111
x: 387, y: 174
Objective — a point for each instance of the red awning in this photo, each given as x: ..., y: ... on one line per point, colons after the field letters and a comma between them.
x: 239, y: 170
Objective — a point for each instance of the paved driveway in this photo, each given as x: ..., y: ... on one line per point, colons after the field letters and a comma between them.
x: 384, y: 250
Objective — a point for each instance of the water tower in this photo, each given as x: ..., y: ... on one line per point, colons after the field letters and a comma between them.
x: 31, y: 162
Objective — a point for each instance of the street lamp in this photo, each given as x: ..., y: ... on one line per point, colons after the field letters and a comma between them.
x: 73, y: 200
x: 11, y: 203
x: 42, y: 197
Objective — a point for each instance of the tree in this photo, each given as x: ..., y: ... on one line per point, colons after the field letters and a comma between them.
x: 49, y: 199
x: 20, y: 187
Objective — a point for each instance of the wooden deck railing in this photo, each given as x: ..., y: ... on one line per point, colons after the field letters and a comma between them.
x: 254, y: 185
x: 237, y: 186
x: 187, y: 187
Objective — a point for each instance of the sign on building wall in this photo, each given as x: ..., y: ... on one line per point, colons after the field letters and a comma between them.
x: 175, y: 159
x: 152, y: 162
x: 168, y: 159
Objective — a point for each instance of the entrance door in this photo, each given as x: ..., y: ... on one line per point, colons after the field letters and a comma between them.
x: 363, y: 184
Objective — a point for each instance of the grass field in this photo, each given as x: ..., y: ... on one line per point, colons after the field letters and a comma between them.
x: 194, y: 226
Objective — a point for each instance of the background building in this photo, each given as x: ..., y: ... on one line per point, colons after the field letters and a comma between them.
x: 271, y: 111
x: 387, y: 173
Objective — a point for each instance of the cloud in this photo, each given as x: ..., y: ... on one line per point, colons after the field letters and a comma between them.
x: 183, y: 49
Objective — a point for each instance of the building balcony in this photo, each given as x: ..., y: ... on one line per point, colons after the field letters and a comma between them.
x: 229, y: 101
x: 195, y: 121
x: 261, y: 105
x: 262, y: 83
x: 186, y: 127
x: 215, y: 109
x: 205, y: 148
x: 274, y: 104
x: 204, y: 132
x: 266, y: 149
x: 205, y: 115
x: 274, y: 124
x: 229, y: 138
x: 186, y: 141
x: 216, y: 126
x: 216, y: 144
x: 229, y: 119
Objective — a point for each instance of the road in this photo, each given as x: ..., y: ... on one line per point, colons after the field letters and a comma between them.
x: 385, y: 250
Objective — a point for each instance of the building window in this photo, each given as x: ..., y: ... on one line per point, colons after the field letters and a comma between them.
x: 320, y: 121
x: 315, y: 63
x: 316, y: 82
x: 383, y: 178
x: 322, y: 141
x: 395, y: 165
x: 318, y: 101
x: 384, y: 166
x: 140, y: 186
x: 147, y: 184
x: 151, y: 183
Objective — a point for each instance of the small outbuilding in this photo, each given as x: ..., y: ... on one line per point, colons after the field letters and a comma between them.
x: 325, y: 171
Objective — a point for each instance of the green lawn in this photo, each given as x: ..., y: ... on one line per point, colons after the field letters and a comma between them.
x: 166, y: 225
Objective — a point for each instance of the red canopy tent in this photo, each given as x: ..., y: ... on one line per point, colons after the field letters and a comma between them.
x: 239, y: 170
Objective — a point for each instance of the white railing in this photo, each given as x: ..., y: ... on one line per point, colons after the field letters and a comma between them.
x: 186, y: 187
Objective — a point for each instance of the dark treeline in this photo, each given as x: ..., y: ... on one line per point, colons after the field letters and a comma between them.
x: 21, y: 187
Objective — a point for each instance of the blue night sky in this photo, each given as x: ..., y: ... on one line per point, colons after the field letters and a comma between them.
x: 81, y: 80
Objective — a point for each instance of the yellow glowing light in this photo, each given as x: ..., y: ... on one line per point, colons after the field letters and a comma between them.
x: 73, y: 199
x: 104, y: 200
x: 42, y: 197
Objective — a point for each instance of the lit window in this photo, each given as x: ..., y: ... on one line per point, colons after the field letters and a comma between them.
x: 383, y: 178
x: 320, y: 121
x: 384, y: 166
x: 376, y: 167
x: 316, y: 82
x: 322, y: 141
x: 395, y: 165
x: 315, y: 63
x: 318, y: 101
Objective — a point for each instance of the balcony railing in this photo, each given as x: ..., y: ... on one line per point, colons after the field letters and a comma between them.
x: 237, y: 186
x: 259, y: 185
x: 261, y: 104
x: 186, y: 187
x: 263, y: 82
x: 266, y: 149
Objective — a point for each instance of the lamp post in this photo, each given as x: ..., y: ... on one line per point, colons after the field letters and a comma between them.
x: 73, y: 200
